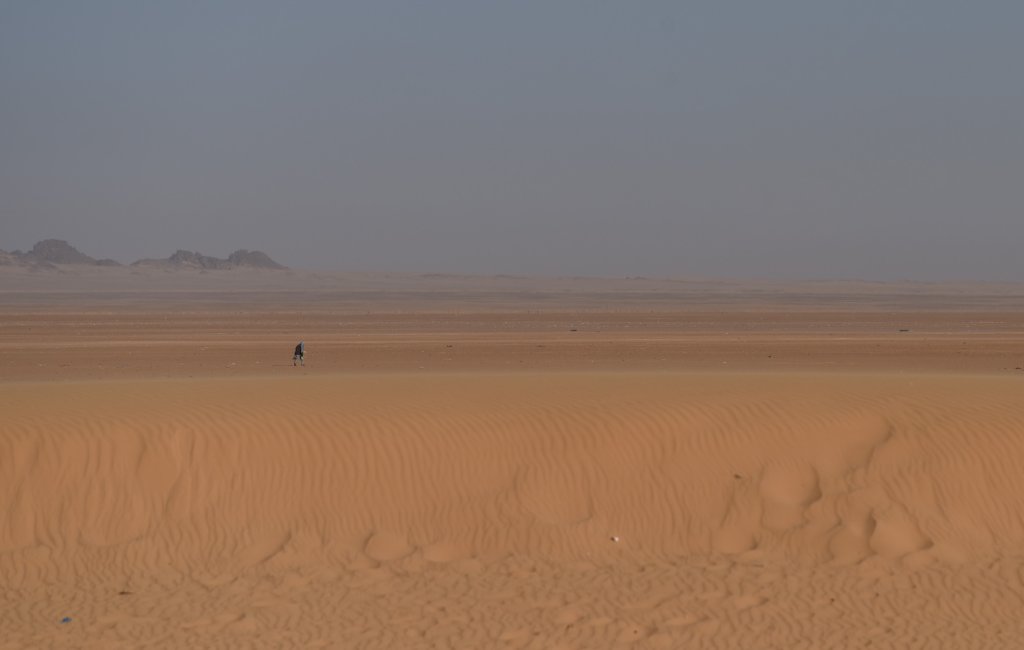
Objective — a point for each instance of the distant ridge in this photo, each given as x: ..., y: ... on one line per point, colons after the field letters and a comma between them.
x: 52, y: 254
x: 256, y: 259
x: 182, y: 259
x: 49, y: 253
x: 58, y: 251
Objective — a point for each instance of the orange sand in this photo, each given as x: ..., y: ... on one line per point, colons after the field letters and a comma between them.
x: 512, y: 476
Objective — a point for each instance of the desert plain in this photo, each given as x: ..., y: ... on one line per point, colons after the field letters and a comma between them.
x: 508, y: 462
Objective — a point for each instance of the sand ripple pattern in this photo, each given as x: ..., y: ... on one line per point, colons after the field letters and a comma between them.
x: 546, y: 510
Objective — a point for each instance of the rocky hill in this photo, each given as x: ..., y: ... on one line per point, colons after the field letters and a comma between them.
x: 254, y: 259
x: 48, y: 254
x: 182, y: 259
x: 58, y: 251
x: 53, y: 254
x: 241, y: 258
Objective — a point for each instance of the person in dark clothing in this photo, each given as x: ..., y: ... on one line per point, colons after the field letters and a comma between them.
x: 299, y: 357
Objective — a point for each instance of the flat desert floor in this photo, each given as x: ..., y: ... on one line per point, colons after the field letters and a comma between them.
x: 510, y: 464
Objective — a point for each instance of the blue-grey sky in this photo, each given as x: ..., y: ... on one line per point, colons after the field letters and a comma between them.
x: 868, y: 139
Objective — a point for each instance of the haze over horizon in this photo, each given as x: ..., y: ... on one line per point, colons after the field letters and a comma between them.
x: 796, y: 140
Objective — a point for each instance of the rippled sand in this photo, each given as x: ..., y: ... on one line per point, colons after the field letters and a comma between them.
x: 508, y: 478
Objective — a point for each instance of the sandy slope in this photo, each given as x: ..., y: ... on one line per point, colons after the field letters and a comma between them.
x: 763, y: 510
x: 508, y: 477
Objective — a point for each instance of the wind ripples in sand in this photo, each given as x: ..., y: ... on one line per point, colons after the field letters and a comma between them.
x: 571, y: 510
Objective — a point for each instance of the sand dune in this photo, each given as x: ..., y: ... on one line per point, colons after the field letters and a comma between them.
x: 532, y: 509
x: 507, y: 463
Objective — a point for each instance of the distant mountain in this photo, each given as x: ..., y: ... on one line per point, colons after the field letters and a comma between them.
x: 241, y: 258
x: 254, y: 259
x: 52, y: 254
x: 185, y: 260
x: 49, y: 253
x: 17, y: 259
x: 58, y: 251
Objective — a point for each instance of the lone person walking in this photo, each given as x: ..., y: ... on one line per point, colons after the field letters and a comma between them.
x: 299, y: 357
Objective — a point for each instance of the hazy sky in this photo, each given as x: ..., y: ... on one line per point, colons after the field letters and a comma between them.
x: 816, y: 139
